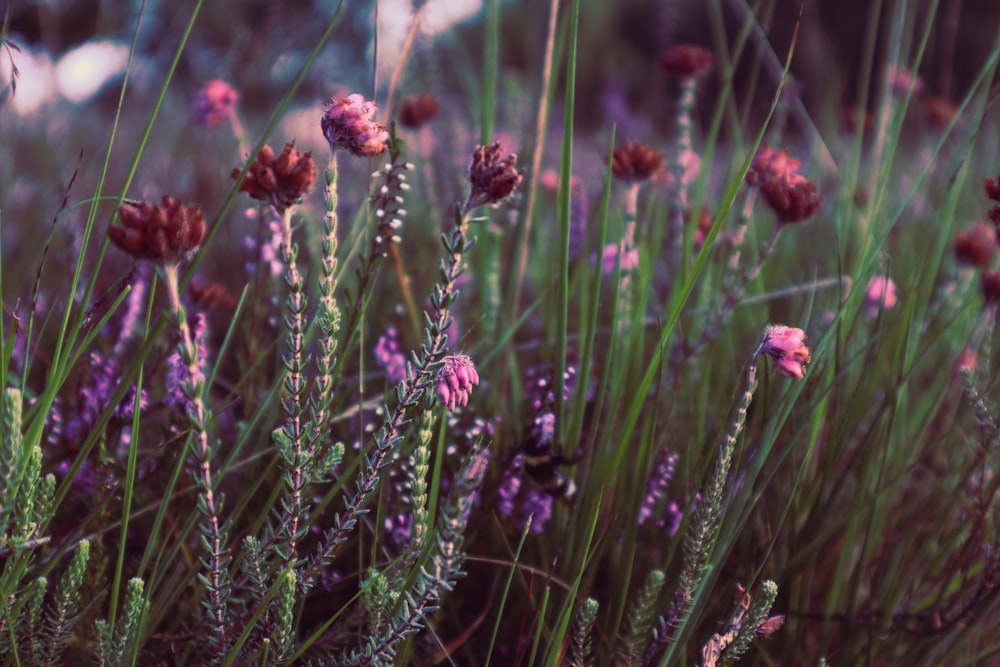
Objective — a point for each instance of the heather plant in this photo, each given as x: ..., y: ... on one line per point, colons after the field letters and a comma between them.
x: 372, y: 350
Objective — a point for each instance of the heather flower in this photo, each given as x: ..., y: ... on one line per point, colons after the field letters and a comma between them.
x: 687, y: 61
x: 966, y: 362
x: 786, y: 346
x: 635, y: 163
x: 389, y: 356
x: 900, y: 80
x: 348, y: 124
x: 538, y: 505
x: 658, y: 483
x: 177, y: 369
x: 939, y: 111
x: 880, y: 294
x: 992, y: 187
x: 510, y: 487
x: 166, y: 232
x: 416, y: 111
x: 213, y: 295
x: 990, y: 285
x: 976, y: 245
x: 282, y: 181
x: 455, y: 380
x: 792, y: 196
x: 615, y: 252
x: 493, y: 176
x: 214, y: 102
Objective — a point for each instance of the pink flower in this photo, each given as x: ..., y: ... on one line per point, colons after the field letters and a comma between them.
x: 610, y: 254
x: 900, y: 80
x: 791, y: 195
x: 215, y: 101
x: 880, y: 294
x: 455, y: 380
x: 785, y: 345
x: 348, y: 124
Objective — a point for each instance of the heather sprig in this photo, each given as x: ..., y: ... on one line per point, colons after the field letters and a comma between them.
x: 581, y: 649
x: 640, y: 617
x: 64, y: 613
x: 728, y: 647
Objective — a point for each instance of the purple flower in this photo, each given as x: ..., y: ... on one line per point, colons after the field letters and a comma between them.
x: 214, y: 103
x: 177, y: 371
x: 455, y: 380
x: 538, y: 505
x: 348, y: 124
x: 389, y: 357
x: 659, y: 481
x: 610, y: 257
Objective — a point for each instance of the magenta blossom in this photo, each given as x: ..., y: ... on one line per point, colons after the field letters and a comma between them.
x: 348, y: 124
x: 455, y: 380
x: 787, y: 347
x: 880, y: 294
x: 214, y: 103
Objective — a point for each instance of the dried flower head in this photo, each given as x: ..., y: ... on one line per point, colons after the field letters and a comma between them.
x: 455, y: 380
x: 770, y: 625
x: 687, y: 61
x: 976, y: 245
x: 880, y: 294
x: 348, y: 124
x: 167, y: 232
x: 214, y: 102
x: 791, y: 195
x: 703, y: 225
x: 939, y: 111
x: 493, y: 175
x: 415, y: 111
x: 990, y: 285
x: 280, y: 181
x: 992, y: 187
x: 635, y: 163
x: 787, y: 347
x: 213, y: 295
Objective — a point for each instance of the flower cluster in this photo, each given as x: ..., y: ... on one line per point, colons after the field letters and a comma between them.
x: 635, y: 163
x: 687, y: 61
x: 348, y: 124
x: 493, y: 176
x: 416, y: 111
x: 389, y: 356
x: 455, y: 380
x: 281, y: 181
x: 976, y: 245
x: 879, y: 295
x: 786, y: 346
x: 791, y: 195
x: 177, y: 369
x: 614, y: 253
x: 214, y: 103
x: 167, y: 232
x: 657, y: 485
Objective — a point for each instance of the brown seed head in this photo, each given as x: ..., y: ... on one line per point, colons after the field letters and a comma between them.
x: 687, y: 61
x: 792, y: 196
x: 280, y: 181
x: 976, y: 245
x: 635, y: 163
x: 493, y: 175
x: 166, y: 232
x: 416, y: 111
x: 991, y: 287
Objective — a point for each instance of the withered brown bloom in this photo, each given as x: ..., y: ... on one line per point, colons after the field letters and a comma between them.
x: 976, y: 245
x: 167, y: 232
x: 791, y: 195
x: 415, y: 111
x: 939, y: 111
x: 635, y: 162
x: 990, y: 286
x: 992, y: 186
x: 687, y: 61
x: 280, y: 181
x: 493, y: 176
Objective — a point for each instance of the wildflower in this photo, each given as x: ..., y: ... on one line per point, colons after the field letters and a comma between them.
x: 416, y: 111
x: 493, y: 176
x: 992, y: 186
x: 213, y: 295
x: 990, y: 285
x: 281, y: 181
x: 770, y: 625
x: 214, y: 102
x: 537, y: 505
x: 389, y: 356
x: 966, y: 362
x: 900, y: 80
x: 166, y: 232
x: 792, y: 196
x: 177, y: 369
x: 455, y: 380
x: 658, y: 483
x: 635, y: 163
x: 939, y: 111
x: 687, y: 61
x: 615, y: 252
x: 703, y: 225
x: 348, y: 124
x: 880, y: 294
x: 785, y: 345
x: 976, y: 245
